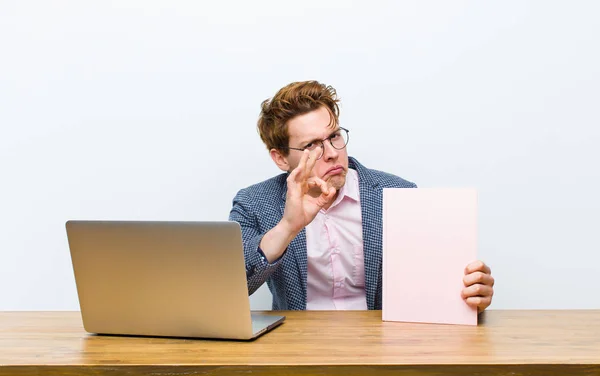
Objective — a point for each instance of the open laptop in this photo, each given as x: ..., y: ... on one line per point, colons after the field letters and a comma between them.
x: 172, y: 279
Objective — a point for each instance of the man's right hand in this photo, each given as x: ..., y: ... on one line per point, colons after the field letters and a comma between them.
x: 306, y: 195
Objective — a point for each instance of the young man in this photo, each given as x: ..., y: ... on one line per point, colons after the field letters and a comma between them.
x: 314, y: 232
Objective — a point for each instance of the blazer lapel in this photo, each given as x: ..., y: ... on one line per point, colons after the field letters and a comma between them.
x: 370, y: 202
x: 298, y: 248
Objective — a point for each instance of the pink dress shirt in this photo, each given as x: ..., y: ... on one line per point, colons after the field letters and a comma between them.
x: 334, y: 242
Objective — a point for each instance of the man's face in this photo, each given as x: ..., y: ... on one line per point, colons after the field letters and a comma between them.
x: 311, y: 127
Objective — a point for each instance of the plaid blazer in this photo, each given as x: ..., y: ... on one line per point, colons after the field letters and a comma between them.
x: 259, y: 208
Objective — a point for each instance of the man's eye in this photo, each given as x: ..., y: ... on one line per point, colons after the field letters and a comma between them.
x: 334, y: 136
x: 310, y: 146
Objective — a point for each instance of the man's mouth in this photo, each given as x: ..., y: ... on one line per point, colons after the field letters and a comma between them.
x: 334, y: 170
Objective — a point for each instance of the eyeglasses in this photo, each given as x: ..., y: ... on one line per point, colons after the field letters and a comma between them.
x: 338, y: 139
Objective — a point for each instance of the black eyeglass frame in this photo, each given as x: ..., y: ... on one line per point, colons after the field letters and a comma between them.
x: 323, y: 142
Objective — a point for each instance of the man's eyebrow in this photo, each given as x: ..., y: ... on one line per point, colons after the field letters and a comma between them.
x: 319, y: 139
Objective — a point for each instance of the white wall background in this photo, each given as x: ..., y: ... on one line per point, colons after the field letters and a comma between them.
x: 147, y: 110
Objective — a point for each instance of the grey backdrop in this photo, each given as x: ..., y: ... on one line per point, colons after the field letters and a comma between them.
x: 147, y: 110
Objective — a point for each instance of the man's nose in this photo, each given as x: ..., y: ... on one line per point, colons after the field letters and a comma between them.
x: 329, y: 152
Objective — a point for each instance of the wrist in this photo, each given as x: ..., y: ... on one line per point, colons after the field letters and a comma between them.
x: 287, y: 230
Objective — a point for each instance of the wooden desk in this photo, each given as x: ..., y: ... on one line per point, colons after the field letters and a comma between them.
x: 317, y: 343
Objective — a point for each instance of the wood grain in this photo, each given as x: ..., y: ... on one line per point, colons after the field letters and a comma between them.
x: 318, y: 343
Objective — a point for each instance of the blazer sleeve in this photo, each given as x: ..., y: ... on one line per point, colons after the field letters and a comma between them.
x: 258, y: 269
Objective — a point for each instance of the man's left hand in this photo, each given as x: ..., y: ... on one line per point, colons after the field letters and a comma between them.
x: 479, y: 285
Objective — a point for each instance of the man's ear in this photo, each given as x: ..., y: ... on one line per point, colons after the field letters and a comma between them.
x: 280, y: 160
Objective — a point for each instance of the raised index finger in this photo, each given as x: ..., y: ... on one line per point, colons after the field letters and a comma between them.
x: 311, y: 161
x: 298, y: 174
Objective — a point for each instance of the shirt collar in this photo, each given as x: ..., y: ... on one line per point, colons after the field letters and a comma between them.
x: 349, y: 189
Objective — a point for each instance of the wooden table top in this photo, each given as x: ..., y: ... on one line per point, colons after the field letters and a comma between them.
x: 336, y: 342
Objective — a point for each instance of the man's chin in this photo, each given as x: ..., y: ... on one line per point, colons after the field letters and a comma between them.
x: 337, y: 181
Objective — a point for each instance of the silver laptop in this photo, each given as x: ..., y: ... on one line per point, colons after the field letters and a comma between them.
x: 173, y: 279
